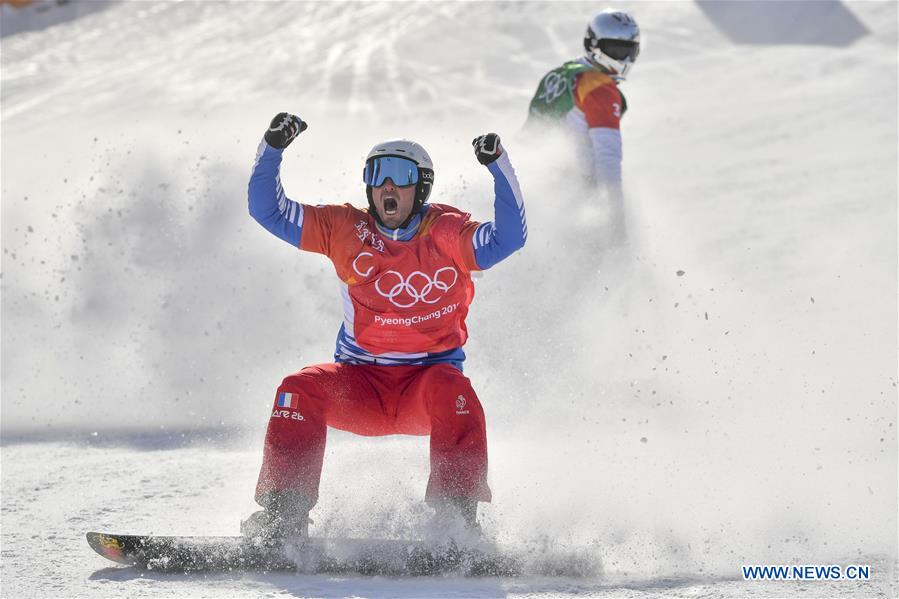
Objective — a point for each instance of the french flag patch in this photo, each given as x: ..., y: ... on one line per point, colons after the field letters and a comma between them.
x: 288, y: 400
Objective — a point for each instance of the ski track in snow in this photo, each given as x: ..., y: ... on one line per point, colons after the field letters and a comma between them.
x: 720, y: 392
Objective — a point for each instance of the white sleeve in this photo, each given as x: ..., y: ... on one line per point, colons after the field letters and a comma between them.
x: 606, y: 146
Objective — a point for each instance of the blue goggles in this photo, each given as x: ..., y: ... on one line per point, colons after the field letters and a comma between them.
x: 402, y: 171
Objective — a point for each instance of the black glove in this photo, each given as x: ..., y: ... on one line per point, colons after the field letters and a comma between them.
x: 487, y: 148
x: 284, y: 129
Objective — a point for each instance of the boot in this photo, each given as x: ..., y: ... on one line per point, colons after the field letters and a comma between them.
x: 450, y: 511
x: 286, y: 515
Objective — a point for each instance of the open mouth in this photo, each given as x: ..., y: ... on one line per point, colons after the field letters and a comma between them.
x: 390, y: 206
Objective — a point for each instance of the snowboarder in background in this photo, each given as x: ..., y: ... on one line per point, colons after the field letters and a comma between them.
x: 584, y: 95
x: 405, y: 269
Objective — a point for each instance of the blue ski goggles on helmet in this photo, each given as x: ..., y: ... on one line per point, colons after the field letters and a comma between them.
x: 402, y: 171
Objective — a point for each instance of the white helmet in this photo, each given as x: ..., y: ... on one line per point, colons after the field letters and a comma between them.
x: 612, y: 42
x: 414, y: 167
x: 402, y: 147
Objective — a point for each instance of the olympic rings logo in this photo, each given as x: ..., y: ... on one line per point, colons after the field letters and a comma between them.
x: 554, y: 85
x: 417, y: 287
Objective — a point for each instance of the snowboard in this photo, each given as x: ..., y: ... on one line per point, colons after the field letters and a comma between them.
x: 314, y: 555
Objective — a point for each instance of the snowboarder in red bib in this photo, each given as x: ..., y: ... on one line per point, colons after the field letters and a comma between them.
x: 405, y: 278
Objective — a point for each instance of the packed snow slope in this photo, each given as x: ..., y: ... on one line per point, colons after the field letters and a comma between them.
x: 720, y: 391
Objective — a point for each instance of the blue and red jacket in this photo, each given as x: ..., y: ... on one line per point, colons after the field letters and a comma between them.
x: 405, y: 291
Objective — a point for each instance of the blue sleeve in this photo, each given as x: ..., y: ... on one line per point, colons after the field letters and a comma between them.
x: 496, y: 240
x: 268, y: 204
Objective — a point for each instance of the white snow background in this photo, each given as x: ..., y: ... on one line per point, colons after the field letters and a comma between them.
x: 721, y: 392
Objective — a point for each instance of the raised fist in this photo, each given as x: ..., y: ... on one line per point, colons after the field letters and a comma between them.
x: 284, y: 129
x: 487, y: 148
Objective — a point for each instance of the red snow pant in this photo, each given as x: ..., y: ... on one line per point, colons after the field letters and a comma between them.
x: 374, y: 401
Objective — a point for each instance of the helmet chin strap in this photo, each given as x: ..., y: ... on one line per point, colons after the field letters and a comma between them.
x: 592, y: 60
